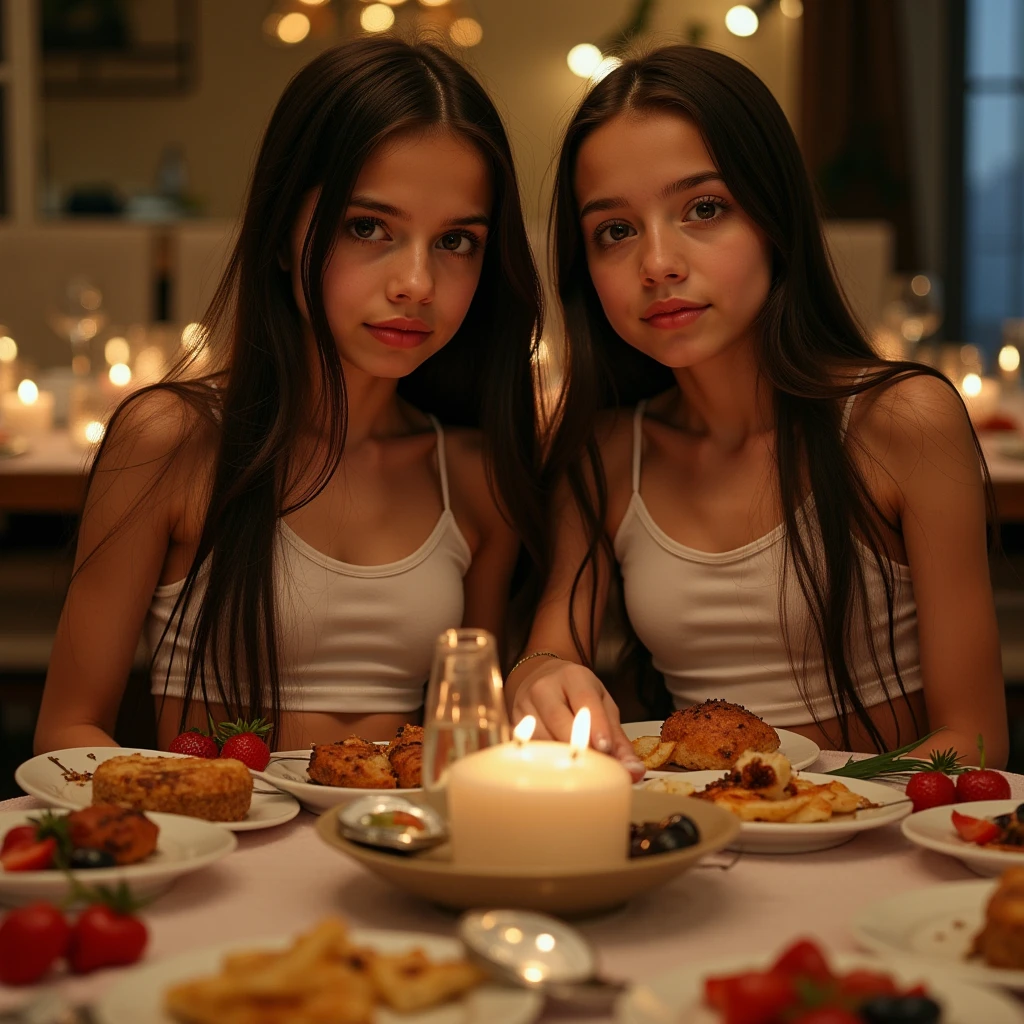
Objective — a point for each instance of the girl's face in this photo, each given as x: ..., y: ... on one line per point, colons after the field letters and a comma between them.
x: 408, y: 254
x: 681, y: 271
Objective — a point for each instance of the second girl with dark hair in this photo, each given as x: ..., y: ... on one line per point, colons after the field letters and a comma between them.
x: 800, y: 526
x: 293, y: 531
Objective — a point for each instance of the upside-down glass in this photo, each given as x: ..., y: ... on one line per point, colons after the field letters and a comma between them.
x: 465, y: 705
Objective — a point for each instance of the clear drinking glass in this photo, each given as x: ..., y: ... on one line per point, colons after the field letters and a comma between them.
x: 465, y: 705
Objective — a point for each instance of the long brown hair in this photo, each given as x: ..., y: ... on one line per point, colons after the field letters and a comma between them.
x: 806, y: 334
x: 330, y: 118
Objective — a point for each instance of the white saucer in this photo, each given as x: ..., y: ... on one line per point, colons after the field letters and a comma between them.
x: 935, y: 925
x: 933, y: 829
x: 678, y: 995
x: 799, y: 749
x: 183, y: 845
x: 782, y: 837
x: 290, y: 775
x: 136, y: 997
x: 41, y: 778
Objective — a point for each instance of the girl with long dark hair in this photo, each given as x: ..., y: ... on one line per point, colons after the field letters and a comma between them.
x: 800, y: 526
x: 291, y: 530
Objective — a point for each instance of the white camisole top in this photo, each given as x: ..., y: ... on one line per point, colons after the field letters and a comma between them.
x: 711, y: 620
x: 352, y: 638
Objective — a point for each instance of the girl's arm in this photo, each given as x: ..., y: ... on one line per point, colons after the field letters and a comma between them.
x: 129, y: 517
x: 922, y: 432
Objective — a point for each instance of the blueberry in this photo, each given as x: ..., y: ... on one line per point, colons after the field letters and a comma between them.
x: 1020, y: 812
x: 84, y: 858
x: 1003, y: 820
x: 900, y: 1010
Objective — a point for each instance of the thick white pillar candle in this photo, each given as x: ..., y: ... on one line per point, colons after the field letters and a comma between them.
x: 27, y: 410
x: 539, y: 805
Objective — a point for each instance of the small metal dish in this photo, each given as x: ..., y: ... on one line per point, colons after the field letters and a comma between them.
x: 366, y: 821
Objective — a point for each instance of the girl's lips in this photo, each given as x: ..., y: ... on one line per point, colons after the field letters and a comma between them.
x: 672, y: 321
x: 395, y: 337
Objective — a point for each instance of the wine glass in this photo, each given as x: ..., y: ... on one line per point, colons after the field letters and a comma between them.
x: 465, y: 705
x: 78, y: 315
x: 915, y: 308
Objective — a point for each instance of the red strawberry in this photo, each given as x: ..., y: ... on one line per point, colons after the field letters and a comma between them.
x: 106, y: 933
x: 195, y: 744
x: 243, y: 741
x: 975, y: 830
x: 930, y: 789
x: 30, y: 857
x: 983, y: 784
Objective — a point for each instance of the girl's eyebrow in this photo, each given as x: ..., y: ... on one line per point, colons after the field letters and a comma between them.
x: 680, y: 185
x: 366, y: 203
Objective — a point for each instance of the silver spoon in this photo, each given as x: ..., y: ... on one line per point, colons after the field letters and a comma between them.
x: 370, y: 821
x: 538, y: 952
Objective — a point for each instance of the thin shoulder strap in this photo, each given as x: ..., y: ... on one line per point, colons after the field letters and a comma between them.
x: 638, y: 438
x: 442, y: 465
x: 848, y: 408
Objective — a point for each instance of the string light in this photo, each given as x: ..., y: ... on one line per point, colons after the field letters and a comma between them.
x: 1009, y: 358
x: 293, y: 28
x: 584, y: 59
x: 377, y: 18
x: 8, y: 349
x: 741, y: 20
x: 466, y: 32
x: 116, y: 350
x: 120, y: 374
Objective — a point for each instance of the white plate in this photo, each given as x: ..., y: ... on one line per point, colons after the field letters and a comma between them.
x: 678, y: 995
x: 933, y: 829
x: 290, y: 776
x: 138, y: 996
x: 782, y: 837
x: 937, y: 925
x: 41, y: 778
x: 799, y: 749
x: 183, y: 845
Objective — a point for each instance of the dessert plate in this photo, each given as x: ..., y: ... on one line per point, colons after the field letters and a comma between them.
x: 42, y: 778
x: 933, y: 829
x: 287, y: 772
x: 799, y: 749
x: 935, y: 925
x: 678, y: 995
x: 183, y: 845
x: 784, y: 837
x: 560, y: 889
x: 137, y: 997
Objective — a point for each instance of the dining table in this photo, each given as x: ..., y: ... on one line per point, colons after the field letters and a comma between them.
x: 281, y: 881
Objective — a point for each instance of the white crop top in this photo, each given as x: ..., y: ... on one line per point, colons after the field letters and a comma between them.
x: 711, y: 619
x: 352, y: 638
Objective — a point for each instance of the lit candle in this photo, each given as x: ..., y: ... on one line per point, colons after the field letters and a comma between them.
x: 1009, y: 365
x: 27, y: 410
x: 540, y: 804
x: 981, y: 396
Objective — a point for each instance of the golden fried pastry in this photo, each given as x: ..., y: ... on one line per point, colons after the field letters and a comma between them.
x: 123, y: 832
x: 652, y: 751
x: 353, y: 763
x: 1001, y: 940
x: 411, y: 982
x: 406, y: 734
x: 405, y: 752
x: 714, y: 734
x: 215, y: 790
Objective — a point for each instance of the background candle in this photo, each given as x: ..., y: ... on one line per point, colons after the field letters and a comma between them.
x: 539, y: 805
x: 27, y: 410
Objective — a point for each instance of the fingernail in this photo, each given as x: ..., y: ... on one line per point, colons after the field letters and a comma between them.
x: 603, y: 744
x: 634, y: 766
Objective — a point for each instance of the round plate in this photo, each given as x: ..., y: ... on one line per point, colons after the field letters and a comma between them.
x: 782, y: 837
x: 136, y: 998
x: 799, y: 749
x: 678, y: 995
x: 183, y: 845
x: 287, y: 771
x: 41, y: 778
x: 937, y: 925
x: 933, y: 829
x: 562, y: 889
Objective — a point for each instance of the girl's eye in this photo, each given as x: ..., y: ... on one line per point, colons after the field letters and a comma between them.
x: 705, y: 210
x: 612, y: 233
x: 458, y: 244
x: 367, y: 229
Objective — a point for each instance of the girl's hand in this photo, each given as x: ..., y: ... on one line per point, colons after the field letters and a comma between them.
x: 556, y: 691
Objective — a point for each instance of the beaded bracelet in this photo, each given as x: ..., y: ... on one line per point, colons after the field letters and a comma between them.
x: 535, y: 654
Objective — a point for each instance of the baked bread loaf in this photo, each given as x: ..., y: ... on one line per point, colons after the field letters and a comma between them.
x: 215, y: 790
x: 352, y: 763
x: 1001, y: 940
x: 712, y: 735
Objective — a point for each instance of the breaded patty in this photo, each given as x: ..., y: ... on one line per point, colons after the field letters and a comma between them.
x: 714, y: 734
x: 215, y: 790
x: 354, y: 763
x: 405, y: 752
x: 123, y: 832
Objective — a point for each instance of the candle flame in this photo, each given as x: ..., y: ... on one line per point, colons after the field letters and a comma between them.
x: 524, y: 730
x: 28, y: 392
x: 580, y: 738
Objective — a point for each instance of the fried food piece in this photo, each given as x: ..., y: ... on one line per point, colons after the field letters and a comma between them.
x: 123, y: 832
x: 749, y: 806
x: 215, y: 790
x: 841, y: 799
x: 652, y: 751
x: 766, y: 774
x: 677, y: 786
x: 405, y: 752
x: 714, y: 734
x: 412, y: 982
x: 353, y: 763
x: 1001, y: 940
x: 407, y: 734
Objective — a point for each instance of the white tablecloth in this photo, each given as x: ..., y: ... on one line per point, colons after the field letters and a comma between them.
x: 281, y: 880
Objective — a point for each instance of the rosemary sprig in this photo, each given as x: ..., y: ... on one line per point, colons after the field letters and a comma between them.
x: 895, y: 763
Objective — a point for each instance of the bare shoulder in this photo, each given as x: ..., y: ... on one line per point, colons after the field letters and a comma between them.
x: 614, y: 435
x: 468, y: 476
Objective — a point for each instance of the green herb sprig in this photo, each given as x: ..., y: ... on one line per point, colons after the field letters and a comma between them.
x: 896, y: 763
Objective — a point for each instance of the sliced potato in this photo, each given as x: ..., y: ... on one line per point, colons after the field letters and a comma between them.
x: 652, y: 751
